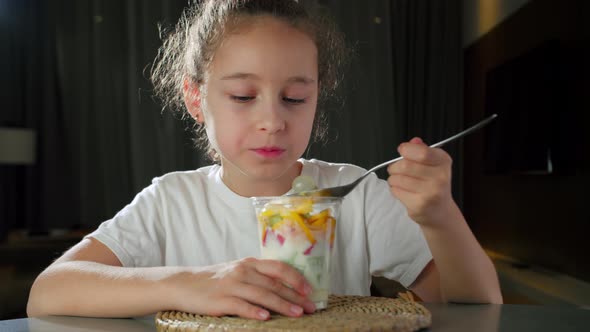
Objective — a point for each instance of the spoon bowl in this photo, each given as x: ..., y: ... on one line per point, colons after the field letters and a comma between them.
x: 344, y: 190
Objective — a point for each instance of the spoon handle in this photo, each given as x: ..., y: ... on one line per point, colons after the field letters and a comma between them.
x: 443, y: 142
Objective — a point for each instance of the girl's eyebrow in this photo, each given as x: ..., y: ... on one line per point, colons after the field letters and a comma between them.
x: 301, y: 79
x: 243, y: 76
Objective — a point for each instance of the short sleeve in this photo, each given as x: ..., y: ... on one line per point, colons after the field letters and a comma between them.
x: 134, y: 233
x: 397, y: 247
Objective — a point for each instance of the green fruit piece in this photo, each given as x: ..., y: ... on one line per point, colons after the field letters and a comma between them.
x: 303, y: 183
x: 274, y: 219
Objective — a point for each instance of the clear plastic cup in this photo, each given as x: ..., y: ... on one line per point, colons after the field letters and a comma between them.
x: 300, y: 231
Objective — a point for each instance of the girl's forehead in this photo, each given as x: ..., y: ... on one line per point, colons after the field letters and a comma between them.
x: 265, y: 44
x: 251, y: 26
x: 243, y: 23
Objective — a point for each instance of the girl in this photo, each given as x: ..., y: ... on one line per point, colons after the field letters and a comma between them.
x: 251, y: 73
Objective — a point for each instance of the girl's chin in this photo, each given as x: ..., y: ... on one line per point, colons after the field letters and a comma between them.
x: 268, y: 169
x: 268, y: 172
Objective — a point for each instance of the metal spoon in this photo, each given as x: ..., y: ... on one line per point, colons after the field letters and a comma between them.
x: 342, y: 191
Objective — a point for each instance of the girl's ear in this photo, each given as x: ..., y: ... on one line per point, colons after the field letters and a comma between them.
x: 192, y: 100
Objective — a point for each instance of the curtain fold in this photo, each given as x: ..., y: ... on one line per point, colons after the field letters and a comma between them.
x: 361, y: 124
x: 405, y: 80
x: 81, y: 82
x: 119, y: 137
x: 427, y: 74
x: 31, y: 101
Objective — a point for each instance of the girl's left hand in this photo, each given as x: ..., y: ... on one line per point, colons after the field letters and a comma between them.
x: 422, y: 181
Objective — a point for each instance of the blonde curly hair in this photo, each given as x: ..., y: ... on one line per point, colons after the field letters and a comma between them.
x: 189, y: 48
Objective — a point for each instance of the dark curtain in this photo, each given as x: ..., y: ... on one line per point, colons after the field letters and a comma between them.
x: 405, y: 80
x: 76, y: 71
x: 427, y: 65
x: 116, y: 136
x: 361, y: 122
x: 29, y: 100
x: 78, y: 76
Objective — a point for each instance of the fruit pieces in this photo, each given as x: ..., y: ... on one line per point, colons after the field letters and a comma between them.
x: 280, y: 219
x: 302, y: 224
x: 302, y: 183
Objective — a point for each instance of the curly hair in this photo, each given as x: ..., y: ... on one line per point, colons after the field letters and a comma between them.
x: 189, y: 48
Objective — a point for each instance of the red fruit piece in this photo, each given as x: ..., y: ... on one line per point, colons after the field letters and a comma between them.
x: 281, y: 239
x: 264, y: 233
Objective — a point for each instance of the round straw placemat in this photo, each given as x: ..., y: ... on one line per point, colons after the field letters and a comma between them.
x: 344, y: 313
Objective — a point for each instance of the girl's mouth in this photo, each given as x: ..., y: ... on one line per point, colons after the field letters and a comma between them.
x: 269, y: 152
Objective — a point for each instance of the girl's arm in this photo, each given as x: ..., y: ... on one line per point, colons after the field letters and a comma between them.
x: 88, y: 280
x: 461, y: 271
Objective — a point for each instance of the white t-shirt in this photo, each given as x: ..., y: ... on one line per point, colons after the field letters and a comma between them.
x: 193, y: 219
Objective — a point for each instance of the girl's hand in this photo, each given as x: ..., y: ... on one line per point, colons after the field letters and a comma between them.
x: 422, y: 181
x: 247, y: 288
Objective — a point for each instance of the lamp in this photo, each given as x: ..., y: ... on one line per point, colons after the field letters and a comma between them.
x: 17, y: 149
x: 17, y: 146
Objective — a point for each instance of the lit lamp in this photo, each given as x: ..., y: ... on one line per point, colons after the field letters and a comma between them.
x: 17, y: 148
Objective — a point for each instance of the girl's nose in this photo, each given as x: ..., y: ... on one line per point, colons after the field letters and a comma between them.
x: 271, y: 119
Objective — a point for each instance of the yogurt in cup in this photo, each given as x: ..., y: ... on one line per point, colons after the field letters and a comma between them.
x: 300, y: 231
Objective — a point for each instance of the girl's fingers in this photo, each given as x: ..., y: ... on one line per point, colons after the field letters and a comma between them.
x: 278, y: 287
x: 406, y: 183
x: 430, y: 190
x: 281, y: 279
x: 423, y: 154
x: 404, y: 195
x: 242, y: 308
x: 267, y: 299
x: 420, y: 197
x: 417, y: 140
x: 285, y: 273
x: 413, y: 169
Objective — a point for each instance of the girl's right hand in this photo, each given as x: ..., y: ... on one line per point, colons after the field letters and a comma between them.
x: 248, y: 288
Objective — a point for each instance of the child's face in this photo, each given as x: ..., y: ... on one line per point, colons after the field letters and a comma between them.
x: 260, y: 99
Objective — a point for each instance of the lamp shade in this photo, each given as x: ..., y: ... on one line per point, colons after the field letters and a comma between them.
x: 17, y: 146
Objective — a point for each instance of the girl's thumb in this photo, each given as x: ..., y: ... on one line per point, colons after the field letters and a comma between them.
x: 417, y: 140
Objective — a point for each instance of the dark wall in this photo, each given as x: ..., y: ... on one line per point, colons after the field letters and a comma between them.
x: 537, y: 218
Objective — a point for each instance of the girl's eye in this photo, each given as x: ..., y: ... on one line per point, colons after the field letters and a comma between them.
x: 242, y: 99
x: 293, y: 100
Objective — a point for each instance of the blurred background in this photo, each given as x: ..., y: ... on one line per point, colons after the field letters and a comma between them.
x: 81, y: 134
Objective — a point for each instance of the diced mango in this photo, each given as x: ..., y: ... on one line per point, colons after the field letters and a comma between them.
x: 297, y: 218
x: 304, y: 207
x: 268, y: 212
x: 333, y: 235
x: 319, y: 224
x: 321, y: 215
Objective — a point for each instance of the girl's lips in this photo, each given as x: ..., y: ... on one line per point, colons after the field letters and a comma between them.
x: 269, y: 152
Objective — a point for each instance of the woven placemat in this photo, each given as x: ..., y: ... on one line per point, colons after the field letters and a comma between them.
x: 344, y: 313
